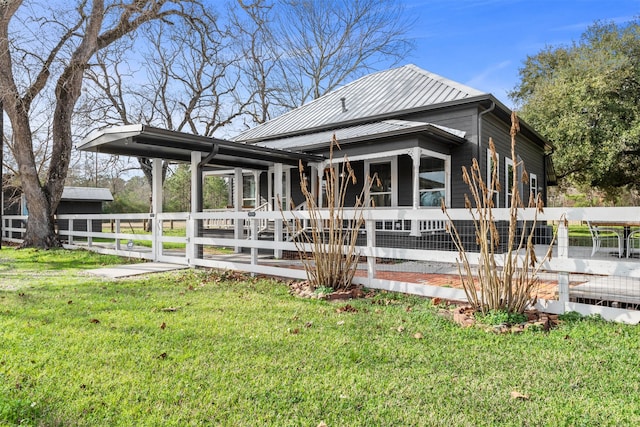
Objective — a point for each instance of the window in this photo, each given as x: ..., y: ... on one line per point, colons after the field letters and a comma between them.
x: 432, y: 179
x: 508, y: 180
x: 493, y: 169
x: 286, y: 182
x: 248, y: 191
x: 326, y: 175
x: 533, y: 185
x: 381, y: 189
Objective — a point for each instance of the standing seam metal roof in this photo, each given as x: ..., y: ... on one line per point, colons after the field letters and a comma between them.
x: 385, y: 92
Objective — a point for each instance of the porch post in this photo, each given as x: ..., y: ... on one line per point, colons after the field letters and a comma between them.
x: 193, y: 228
x: 256, y: 182
x: 237, y: 204
x: 277, y: 195
x: 320, y: 170
x: 415, y: 157
x: 156, y: 208
x: 314, y: 181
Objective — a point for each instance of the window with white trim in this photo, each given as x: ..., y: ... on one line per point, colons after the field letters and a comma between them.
x: 432, y: 181
x: 533, y: 185
x: 248, y: 191
x: 509, y: 176
x: 380, y: 191
x: 384, y: 189
x: 491, y: 166
x: 286, y: 184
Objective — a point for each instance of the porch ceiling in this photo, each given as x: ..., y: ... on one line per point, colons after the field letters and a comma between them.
x: 146, y: 141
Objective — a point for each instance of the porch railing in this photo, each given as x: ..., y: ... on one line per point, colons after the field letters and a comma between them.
x: 573, y: 280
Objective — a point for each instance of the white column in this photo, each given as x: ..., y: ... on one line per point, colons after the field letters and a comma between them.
x: 237, y: 205
x: 320, y: 170
x: 156, y: 208
x: 277, y: 194
x: 313, y: 182
x: 415, y: 157
x: 256, y: 182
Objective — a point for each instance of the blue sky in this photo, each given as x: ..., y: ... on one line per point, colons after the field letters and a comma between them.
x: 483, y: 43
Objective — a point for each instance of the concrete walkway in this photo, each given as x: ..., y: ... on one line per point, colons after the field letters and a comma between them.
x: 126, y: 270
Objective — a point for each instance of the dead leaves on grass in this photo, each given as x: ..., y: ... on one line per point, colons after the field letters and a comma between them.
x: 346, y: 309
x: 516, y: 395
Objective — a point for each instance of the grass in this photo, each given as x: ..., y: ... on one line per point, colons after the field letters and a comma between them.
x: 171, y: 232
x: 213, y: 348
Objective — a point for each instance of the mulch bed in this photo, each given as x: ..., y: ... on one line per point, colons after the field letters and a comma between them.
x: 457, y: 312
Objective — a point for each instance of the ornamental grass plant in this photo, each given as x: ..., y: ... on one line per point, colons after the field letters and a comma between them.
x: 327, y: 241
x: 506, y: 275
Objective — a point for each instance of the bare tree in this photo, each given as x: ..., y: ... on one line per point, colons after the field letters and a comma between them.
x: 191, y: 77
x: 252, y: 24
x: 298, y: 50
x: 46, y: 50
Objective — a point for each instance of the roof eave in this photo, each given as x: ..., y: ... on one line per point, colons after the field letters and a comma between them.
x: 375, y: 118
x: 140, y: 140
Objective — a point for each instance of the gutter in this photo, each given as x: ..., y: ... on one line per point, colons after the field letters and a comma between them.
x: 479, y: 129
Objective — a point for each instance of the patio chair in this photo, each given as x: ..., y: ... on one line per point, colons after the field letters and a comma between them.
x: 598, y: 234
x: 633, y: 242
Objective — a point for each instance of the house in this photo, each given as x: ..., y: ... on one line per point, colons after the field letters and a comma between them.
x: 415, y: 130
x: 412, y: 128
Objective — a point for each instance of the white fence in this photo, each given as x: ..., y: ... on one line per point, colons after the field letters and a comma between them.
x: 598, y: 284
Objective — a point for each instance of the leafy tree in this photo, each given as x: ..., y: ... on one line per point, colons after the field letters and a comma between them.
x: 132, y: 198
x: 584, y: 99
x: 177, y: 190
x: 215, y: 192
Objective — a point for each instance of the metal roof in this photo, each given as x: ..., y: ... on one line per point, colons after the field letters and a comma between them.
x: 368, y: 132
x: 146, y: 141
x: 87, y: 194
x: 388, y: 92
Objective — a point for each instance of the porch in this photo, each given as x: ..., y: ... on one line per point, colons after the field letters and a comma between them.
x: 572, y: 280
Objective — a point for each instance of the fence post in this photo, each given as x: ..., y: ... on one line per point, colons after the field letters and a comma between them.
x: 70, y: 236
x: 370, y: 227
x: 89, y: 231
x: 563, y: 253
x: 191, y: 246
x: 117, y: 230
x: 254, y: 237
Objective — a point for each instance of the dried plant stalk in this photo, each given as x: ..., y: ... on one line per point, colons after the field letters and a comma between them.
x: 333, y: 259
x: 512, y: 287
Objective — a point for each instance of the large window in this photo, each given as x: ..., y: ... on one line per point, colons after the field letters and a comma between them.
x: 432, y: 181
x: 381, y: 189
x: 286, y: 182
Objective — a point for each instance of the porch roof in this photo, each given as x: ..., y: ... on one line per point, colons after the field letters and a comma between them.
x: 368, y: 132
x: 146, y: 141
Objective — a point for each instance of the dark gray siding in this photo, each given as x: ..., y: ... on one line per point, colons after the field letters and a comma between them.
x: 405, y: 180
x: 462, y: 118
x: 531, y: 154
x: 77, y: 208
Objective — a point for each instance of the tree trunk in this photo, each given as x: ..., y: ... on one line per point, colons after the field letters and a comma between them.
x: 40, y: 223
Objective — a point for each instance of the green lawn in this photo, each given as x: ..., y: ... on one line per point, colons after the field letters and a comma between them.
x: 204, y: 348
